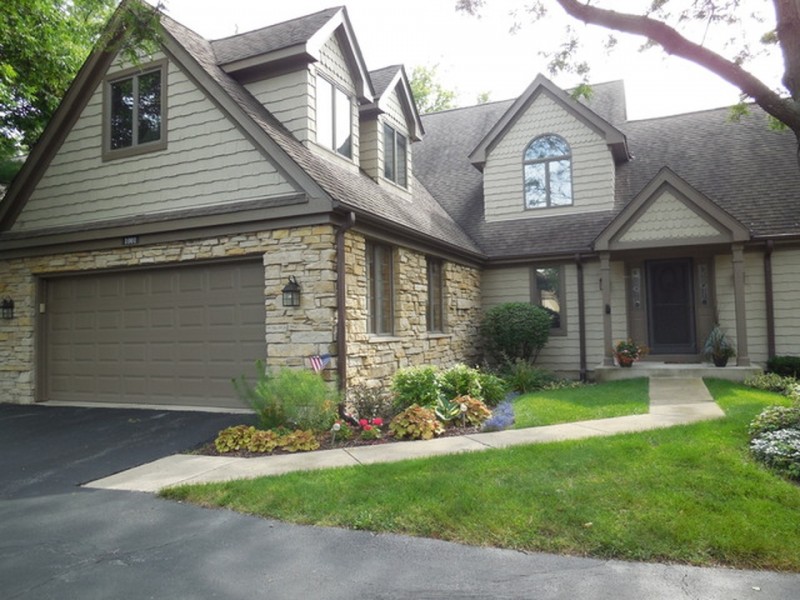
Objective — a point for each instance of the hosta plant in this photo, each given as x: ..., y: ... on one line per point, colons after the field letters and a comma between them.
x: 416, y: 423
x: 447, y: 410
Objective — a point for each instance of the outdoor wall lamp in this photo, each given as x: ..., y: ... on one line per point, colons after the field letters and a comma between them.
x: 7, y: 308
x: 291, y: 292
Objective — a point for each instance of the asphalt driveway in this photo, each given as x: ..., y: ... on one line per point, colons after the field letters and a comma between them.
x: 60, y: 541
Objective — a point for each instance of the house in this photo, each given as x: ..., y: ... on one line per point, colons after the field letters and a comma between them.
x: 149, y: 237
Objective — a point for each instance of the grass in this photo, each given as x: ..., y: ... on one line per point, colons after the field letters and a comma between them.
x: 686, y: 494
x: 613, y: 399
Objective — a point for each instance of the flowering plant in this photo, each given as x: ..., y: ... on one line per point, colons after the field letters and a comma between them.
x: 371, y: 428
x: 341, y: 431
x: 628, y: 352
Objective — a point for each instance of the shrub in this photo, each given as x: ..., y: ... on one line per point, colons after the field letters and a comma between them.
x: 299, y: 441
x: 416, y: 385
x: 371, y: 402
x: 502, y: 417
x: 297, y: 399
x: 461, y: 380
x: 473, y: 411
x: 264, y: 441
x: 416, y: 423
x: 493, y: 388
x: 521, y: 376
x: 779, y: 450
x: 515, y: 330
x: 788, y: 366
x: 775, y: 418
x: 772, y: 382
x: 233, y: 439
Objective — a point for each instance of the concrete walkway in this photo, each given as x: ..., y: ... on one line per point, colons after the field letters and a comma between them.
x: 673, y: 401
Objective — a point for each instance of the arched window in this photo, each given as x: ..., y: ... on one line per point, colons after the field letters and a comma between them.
x: 547, y: 169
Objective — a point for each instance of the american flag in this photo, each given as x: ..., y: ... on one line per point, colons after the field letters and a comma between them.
x: 319, y: 362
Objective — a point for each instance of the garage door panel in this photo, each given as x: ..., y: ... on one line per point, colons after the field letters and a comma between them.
x: 159, y: 336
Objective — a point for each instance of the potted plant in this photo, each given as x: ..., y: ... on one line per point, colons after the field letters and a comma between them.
x: 718, y: 347
x: 628, y: 352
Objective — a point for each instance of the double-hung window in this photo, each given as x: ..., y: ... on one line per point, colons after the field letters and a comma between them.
x: 395, y: 156
x: 135, y: 112
x: 547, y: 172
x: 435, y: 313
x: 380, y: 288
x: 334, y: 118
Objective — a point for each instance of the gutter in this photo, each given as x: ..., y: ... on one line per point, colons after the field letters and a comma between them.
x: 341, y: 303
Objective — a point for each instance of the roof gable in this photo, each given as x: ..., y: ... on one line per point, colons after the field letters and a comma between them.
x: 541, y: 85
x: 394, y: 79
x: 294, y: 42
x: 670, y: 212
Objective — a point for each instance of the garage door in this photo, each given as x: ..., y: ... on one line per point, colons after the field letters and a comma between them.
x: 160, y: 336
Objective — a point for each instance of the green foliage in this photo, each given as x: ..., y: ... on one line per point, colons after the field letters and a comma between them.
x: 341, y: 432
x: 299, y: 441
x: 446, y: 410
x: 718, y: 345
x: 416, y: 423
x: 773, y: 382
x: 460, y: 380
x: 9, y: 169
x: 493, y: 388
x: 788, y: 366
x: 416, y: 385
x: 515, y: 330
x: 429, y: 94
x: 472, y: 410
x: 370, y: 402
x: 775, y: 418
x: 293, y: 398
x: 521, y: 376
x: 233, y: 439
x: 44, y: 43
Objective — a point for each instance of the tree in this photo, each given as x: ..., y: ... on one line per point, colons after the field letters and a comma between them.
x: 44, y: 43
x: 429, y: 94
x: 665, y: 23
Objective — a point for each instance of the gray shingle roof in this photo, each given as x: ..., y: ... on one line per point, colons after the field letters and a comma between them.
x: 271, y: 38
x: 354, y: 190
x: 381, y: 78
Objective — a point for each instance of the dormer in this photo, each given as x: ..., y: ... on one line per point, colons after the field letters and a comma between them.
x: 310, y: 74
x: 389, y: 126
x: 548, y: 155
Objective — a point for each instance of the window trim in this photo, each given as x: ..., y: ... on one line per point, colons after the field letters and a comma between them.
x: 333, y: 112
x: 536, y: 295
x: 134, y: 149
x: 430, y: 314
x: 396, y: 135
x: 375, y: 316
x: 546, y: 162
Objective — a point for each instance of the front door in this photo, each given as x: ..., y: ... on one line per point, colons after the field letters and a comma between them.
x: 670, y: 307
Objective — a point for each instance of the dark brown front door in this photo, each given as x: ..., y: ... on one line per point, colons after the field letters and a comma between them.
x: 670, y: 306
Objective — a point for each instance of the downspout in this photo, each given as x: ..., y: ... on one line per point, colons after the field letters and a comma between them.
x: 341, y: 303
x: 770, y: 298
x: 581, y: 317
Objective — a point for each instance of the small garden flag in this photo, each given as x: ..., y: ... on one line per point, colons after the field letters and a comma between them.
x: 319, y: 362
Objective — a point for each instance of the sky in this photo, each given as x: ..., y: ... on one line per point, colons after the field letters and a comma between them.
x: 475, y: 55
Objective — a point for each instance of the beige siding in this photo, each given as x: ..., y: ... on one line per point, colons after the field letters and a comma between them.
x: 669, y: 218
x: 786, y: 286
x: 755, y: 301
x: 592, y: 164
x: 289, y: 98
x: 371, y: 152
x: 505, y: 285
x: 207, y: 162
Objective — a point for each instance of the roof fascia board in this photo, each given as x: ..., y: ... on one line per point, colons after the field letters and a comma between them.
x: 268, y: 147
x: 694, y: 199
x: 613, y: 136
x: 340, y: 26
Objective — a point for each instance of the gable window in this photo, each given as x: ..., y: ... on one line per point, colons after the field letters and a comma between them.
x: 435, y: 316
x: 135, y: 113
x: 395, y: 156
x: 380, y: 296
x: 548, y: 292
x: 547, y: 170
x: 334, y: 118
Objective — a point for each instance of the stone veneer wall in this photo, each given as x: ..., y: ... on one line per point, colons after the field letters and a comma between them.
x: 372, y: 359
x: 292, y: 334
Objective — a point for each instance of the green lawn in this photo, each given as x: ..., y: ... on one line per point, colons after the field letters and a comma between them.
x: 613, y: 399
x: 687, y: 494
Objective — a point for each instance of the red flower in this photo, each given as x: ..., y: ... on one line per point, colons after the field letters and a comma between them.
x: 367, y: 427
x: 363, y: 422
x: 377, y: 421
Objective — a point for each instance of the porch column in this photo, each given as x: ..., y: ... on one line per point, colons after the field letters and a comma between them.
x: 605, y: 284
x: 742, y: 359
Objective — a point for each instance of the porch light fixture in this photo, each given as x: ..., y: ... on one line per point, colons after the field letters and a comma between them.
x: 291, y: 292
x: 7, y: 308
